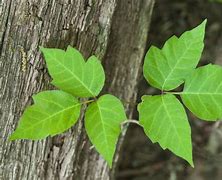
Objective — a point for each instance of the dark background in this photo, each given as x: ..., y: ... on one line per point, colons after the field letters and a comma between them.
x: 142, y: 160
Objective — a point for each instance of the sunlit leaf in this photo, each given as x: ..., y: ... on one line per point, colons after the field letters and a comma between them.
x: 165, y: 121
x: 203, y: 92
x: 167, y: 68
x: 53, y: 112
x: 103, y: 120
x: 72, y: 74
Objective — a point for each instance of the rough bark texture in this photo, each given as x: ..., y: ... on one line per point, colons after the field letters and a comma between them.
x: 115, y: 31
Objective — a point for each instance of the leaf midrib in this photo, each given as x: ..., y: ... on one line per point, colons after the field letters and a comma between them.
x: 103, y: 127
x: 165, y: 107
x: 49, y: 117
x: 172, y: 69
x: 196, y: 93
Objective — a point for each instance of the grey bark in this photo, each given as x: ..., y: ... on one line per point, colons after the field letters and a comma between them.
x: 115, y: 31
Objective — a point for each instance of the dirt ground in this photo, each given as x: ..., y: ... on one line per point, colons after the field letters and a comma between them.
x: 142, y: 160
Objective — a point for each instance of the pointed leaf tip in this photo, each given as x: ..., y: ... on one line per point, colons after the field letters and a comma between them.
x: 204, y: 22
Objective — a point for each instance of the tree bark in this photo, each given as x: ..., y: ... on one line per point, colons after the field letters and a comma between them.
x: 115, y: 31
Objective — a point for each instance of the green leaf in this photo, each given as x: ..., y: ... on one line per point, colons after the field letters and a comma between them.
x: 72, y: 74
x: 202, y: 92
x: 102, y: 121
x: 168, y: 67
x: 165, y: 121
x: 53, y: 112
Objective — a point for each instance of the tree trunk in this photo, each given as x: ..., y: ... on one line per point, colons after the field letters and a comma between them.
x: 115, y: 31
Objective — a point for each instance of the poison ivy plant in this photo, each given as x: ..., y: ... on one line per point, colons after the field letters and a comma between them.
x: 56, y: 111
x: 163, y: 117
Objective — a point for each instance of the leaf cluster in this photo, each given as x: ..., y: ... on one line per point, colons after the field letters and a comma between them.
x: 163, y: 117
x: 56, y: 111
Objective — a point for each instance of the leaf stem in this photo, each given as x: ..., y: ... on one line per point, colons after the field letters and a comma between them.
x: 133, y: 121
x: 173, y: 92
x: 87, y: 102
